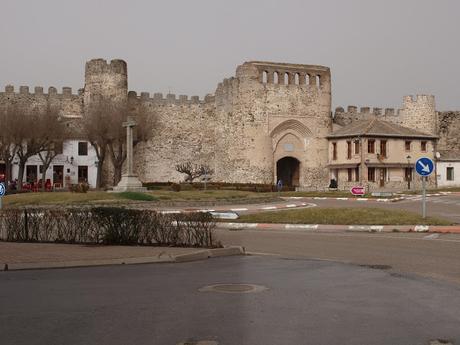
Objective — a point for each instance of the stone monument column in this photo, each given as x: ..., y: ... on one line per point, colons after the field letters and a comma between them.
x: 129, y: 181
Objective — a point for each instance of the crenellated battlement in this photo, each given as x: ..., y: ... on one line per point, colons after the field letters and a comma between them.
x: 168, y: 99
x: 98, y: 66
x: 365, y: 111
x: 38, y: 92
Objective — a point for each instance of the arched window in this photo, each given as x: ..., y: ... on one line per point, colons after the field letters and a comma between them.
x: 297, y: 78
x: 307, y: 79
x: 265, y: 77
x: 286, y: 78
x: 275, y: 78
x: 318, y: 80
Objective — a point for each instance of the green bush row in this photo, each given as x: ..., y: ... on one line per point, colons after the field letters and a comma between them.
x: 107, y: 225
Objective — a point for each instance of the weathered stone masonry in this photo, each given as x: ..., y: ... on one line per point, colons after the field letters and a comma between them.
x: 265, y: 113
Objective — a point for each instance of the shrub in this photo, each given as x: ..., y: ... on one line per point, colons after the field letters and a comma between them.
x: 81, y: 187
x: 107, y: 225
x: 176, y: 187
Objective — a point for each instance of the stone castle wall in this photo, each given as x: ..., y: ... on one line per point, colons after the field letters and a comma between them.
x: 266, y: 112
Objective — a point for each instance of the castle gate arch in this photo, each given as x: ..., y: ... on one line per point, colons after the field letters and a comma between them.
x: 288, y: 171
x: 290, y: 140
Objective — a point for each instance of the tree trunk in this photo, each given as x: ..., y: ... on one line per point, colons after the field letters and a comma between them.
x: 22, y: 165
x: 117, y: 167
x: 43, y: 179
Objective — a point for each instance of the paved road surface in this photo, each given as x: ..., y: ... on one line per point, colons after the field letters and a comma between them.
x: 307, y: 302
x: 423, y: 254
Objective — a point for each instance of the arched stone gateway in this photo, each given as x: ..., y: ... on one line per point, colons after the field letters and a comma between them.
x: 288, y: 171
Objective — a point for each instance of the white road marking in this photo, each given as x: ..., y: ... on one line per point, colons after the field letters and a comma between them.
x: 362, y: 199
x: 238, y: 209
x: 421, y: 228
x: 291, y: 205
x: 206, y: 210
x: 269, y: 208
x: 341, y: 198
x: 301, y: 226
x: 431, y: 237
x: 170, y: 211
x: 319, y: 198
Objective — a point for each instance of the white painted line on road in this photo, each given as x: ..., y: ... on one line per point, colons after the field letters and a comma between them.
x: 431, y: 237
x: 238, y: 209
x: 304, y: 204
x: 377, y: 228
x: 301, y: 226
x: 362, y: 199
x: 170, y: 211
x: 293, y: 197
x: 269, y: 208
x: 341, y: 198
x: 421, y: 228
x: 206, y: 210
x: 319, y: 198
x: 383, y: 200
x: 291, y: 205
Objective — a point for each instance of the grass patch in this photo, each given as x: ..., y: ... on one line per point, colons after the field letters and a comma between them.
x: 343, y: 216
x: 137, y: 196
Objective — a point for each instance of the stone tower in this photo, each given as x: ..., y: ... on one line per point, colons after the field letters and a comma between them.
x: 419, y: 113
x: 272, y: 122
x: 106, y: 80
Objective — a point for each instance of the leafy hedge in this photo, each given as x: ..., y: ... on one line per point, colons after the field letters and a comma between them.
x: 247, y: 187
x: 107, y: 225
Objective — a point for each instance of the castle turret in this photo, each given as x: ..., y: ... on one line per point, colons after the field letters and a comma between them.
x: 106, y: 80
x: 419, y: 113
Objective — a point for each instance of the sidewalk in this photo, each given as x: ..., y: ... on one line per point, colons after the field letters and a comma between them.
x: 19, y: 256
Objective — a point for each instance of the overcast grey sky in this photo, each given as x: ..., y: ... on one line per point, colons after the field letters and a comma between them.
x: 378, y: 51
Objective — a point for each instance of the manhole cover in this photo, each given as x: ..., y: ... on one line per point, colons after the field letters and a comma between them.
x: 233, y: 288
x: 199, y: 342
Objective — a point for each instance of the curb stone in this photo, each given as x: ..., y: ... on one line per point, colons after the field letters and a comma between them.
x: 162, y: 258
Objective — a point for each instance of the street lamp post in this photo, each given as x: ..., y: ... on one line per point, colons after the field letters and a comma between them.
x: 409, y: 172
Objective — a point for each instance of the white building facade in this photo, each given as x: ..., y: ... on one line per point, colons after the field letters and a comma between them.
x: 448, y: 169
x: 77, y: 163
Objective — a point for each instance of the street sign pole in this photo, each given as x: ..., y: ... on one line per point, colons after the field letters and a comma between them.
x: 424, y: 197
x: 424, y: 167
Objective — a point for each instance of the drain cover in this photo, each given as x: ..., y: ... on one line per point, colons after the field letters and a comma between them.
x: 200, y: 342
x: 233, y: 288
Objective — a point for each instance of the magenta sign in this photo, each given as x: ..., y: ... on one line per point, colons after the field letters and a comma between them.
x: 358, y: 190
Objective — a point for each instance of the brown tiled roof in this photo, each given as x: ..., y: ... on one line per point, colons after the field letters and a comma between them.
x: 377, y: 128
x: 449, y: 155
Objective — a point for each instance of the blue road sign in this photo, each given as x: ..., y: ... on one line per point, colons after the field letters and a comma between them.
x: 2, y: 189
x: 424, y: 166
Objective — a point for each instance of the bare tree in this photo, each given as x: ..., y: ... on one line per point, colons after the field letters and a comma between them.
x: 95, y: 127
x: 193, y: 171
x: 117, y: 142
x: 53, y: 131
x: 7, y: 144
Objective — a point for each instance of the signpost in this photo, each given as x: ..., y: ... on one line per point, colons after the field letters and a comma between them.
x: 2, y: 193
x: 424, y: 167
x: 358, y: 190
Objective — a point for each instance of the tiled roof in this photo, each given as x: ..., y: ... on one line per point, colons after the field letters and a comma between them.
x: 450, y: 155
x: 378, y: 128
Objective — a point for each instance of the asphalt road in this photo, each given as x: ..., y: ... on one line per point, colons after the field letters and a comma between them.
x: 306, y: 302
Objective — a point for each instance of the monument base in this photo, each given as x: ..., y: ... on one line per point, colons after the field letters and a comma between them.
x: 129, y: 183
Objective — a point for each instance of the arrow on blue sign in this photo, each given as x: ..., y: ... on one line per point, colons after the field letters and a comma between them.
x: 2, y: 189
x: 424, y: 166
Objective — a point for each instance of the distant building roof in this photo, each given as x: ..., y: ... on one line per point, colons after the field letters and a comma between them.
x: 377, y: 128
x: 449, y: 155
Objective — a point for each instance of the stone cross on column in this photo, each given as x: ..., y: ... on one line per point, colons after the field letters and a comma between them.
x: 129, y: 181
x: 129, y: 124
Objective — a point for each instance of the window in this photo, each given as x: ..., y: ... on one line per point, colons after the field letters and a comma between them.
x: 423, y: 146
x: 407, y: 145
x: 371, y: 174
x: 349, y: 150
x: 334, y: 151
x: 357, y: 174
x: 383, y: 148
x: 82, y: 148
x: 350, y: 174
x: 450, y: 173
x: 371, y: 146
x: 356, y: 147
